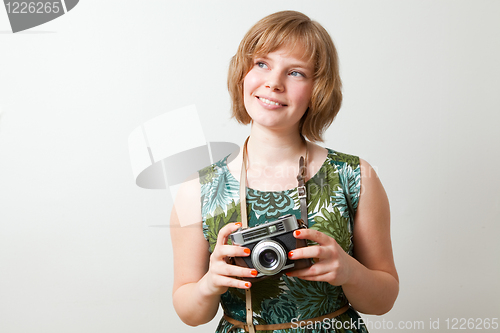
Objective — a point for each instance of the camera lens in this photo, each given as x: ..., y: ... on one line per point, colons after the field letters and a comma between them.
x: 268, y: 258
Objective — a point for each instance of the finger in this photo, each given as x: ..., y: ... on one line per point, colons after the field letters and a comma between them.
x: 315, y: 251
x: 224, y: 269
x: 310, y: 272
x: 225, y: 281
x: 226, y: 231
x: 321, y: 277
x: 313, y: 235
x: 232, y: 251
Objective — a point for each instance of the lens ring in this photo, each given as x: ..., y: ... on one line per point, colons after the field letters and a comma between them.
x: 269, y: 246
x: 268, y: 258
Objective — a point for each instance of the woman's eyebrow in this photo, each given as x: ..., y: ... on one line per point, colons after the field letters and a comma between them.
x: 261, y: 56
x: 304, y: 65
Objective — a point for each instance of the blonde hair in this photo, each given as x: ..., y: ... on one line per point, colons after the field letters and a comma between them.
x: 289, y: 28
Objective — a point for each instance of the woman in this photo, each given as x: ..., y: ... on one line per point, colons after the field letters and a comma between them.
x: 284, y: 80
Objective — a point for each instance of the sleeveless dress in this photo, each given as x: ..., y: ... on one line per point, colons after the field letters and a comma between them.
x: 332, y: 198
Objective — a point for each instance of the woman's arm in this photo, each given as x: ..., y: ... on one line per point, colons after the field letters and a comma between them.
x: 369, y: 279
x: 200, y: 278
x: 374, y: 283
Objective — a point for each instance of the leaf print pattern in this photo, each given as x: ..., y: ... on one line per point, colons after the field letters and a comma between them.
x: 352, y: 161
x: 268, y: 288
x: 207, y: 174
x: 349, y: 185
x: 233, y: 302
x: 281, y: 299
x: 270, y: 204
x: 320, y: 187
x: 281, y: 309
x: 219, y: 192
x: 214, y: 223
x: 334, y: 225
x: 311, y: 297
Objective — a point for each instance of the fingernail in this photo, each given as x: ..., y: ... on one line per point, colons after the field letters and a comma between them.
x: 238, y: 224
x: 247, y: 251
x: 254, y: 272
x: 290, y: 254
x: 247, y: 285
x: 296, y: 232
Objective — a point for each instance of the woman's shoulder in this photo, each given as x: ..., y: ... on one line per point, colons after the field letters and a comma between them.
x: 325, y: 156
x: 187, y: 201
x: 209, y: 173
x: 198, y: 189
x: 338, y: 157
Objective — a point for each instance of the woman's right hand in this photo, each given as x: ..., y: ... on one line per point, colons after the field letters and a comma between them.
x: 221, y: 275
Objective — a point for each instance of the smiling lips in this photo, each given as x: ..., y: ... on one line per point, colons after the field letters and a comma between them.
x: 270, y: 102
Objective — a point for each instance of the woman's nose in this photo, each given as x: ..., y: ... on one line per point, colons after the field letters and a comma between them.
x: 275, y: 82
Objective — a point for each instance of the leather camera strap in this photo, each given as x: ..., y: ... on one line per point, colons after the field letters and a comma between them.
x: 301, y: 190
x: 244, y: 225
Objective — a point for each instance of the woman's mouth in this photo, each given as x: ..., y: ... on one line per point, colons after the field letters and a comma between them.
x: 269, y: 102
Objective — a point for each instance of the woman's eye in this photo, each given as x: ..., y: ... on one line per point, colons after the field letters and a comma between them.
x: 298, y: 74
x: 260, y: 64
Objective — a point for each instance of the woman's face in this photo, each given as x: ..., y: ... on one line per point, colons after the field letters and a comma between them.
x: 277, y: 90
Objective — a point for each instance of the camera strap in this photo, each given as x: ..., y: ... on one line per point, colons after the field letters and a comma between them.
x: 244, y: 225
x: 301, y: 190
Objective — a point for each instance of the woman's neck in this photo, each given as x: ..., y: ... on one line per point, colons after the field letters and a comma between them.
x: 273, y: 159
x: 271, y: 148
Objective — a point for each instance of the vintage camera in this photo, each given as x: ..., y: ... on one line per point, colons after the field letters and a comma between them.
x: 269, y: 244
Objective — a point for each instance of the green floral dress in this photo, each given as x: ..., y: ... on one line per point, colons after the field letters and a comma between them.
x: 333, y: 195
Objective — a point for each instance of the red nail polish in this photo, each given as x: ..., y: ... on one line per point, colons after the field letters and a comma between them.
x: 290, y: 254
x: 238, y: 224
x: 254, y: 272
x: 247, y: 285
x: 297, y: 232
x: 247, y: 251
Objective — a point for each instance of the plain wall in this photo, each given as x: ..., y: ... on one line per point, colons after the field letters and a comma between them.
x: 83, y: 249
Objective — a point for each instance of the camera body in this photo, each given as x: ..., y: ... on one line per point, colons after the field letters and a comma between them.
x: 269, y: 244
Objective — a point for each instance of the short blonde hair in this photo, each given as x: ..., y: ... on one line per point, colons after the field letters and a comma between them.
x: 289, y: 28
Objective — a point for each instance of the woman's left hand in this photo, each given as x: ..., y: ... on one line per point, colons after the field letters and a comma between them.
x: 331, y: 263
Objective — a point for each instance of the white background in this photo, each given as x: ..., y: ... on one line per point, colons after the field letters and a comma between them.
x: 80, y: 250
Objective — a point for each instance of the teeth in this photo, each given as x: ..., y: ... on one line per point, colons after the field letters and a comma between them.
x: 265, y: 100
